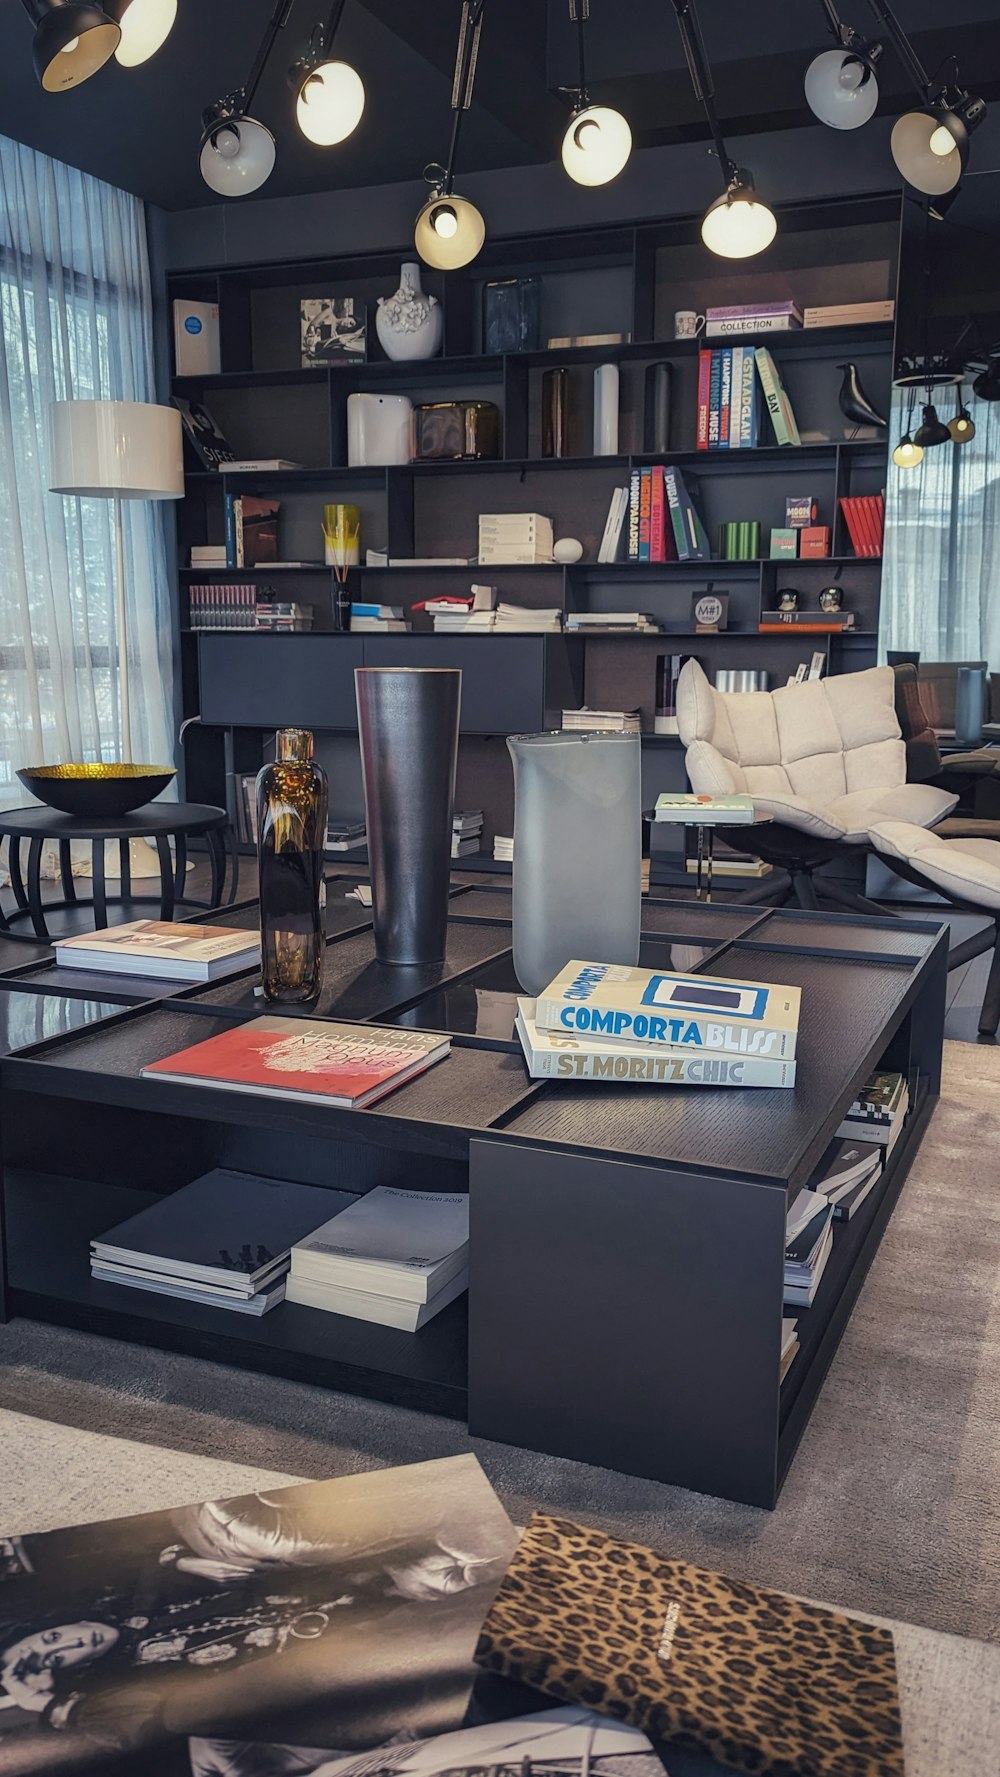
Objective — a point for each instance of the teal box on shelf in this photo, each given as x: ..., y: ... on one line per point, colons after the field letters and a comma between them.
x: 784, y: 543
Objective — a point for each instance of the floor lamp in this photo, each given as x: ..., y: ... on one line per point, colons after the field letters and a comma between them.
x: 117, y: 450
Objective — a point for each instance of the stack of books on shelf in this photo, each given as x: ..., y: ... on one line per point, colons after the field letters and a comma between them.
x: 251, y: 530
x: 596, y: 1021
x: 346, y: 836
x: 847, y: 1173
x: 752, y: 317
x: 378, y: 619
x: 393, y: 1257
x: 806, y: 623
x: 223, y: 606
x: 224, y: 1240
x: 689, y: 808
x: 621, y: 622
x: 246, y: 808
x: 737, y: 385
x: 614, y: 526
x: 620, y: 721
x: 284, y: 614
x: 503, y: 848
x: 727, y: 860
x: 864, y: 515
x: 159, y: 950
x: 879, y: 1112
x: 466, y: 832
x: 462, y: 614
x: 342, y: 1066
x: 789, y: 1343
x: 808, y: 1245
x: 849, y: 314
x: 513, y: 538
x: 209, y: 555
x: 523, y: 619
x: 664, y: 523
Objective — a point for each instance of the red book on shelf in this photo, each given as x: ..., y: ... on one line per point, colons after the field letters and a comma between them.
x: 848, y: 507
x: 657, y: 514
x: 345, y: 1065
x: 645, y: 504
x: 704, y: 398
x: 875, y: 508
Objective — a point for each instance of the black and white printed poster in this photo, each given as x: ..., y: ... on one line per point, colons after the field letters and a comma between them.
x: 338, y: 1615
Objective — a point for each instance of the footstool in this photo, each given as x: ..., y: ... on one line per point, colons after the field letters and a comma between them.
x: 967, y: 873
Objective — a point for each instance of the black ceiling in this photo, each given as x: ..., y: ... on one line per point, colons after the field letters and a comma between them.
x: 140, y: 128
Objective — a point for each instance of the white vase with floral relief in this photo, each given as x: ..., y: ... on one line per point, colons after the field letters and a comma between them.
x: 409, y: 324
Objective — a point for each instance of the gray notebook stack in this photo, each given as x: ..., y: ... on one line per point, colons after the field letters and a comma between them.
x: 395, y: 1257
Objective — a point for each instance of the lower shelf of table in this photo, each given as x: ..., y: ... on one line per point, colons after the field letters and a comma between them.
x: 50, y: 1222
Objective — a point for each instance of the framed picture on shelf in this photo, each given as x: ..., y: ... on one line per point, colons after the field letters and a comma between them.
x: 334, y: 330
x: 710, y: 610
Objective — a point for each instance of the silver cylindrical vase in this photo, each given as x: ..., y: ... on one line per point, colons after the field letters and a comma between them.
x: 408, y: 724
x: 577, y: 852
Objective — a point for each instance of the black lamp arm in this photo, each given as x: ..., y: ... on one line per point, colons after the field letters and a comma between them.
x: 579, y: 12
x: 701, y: 79
x: 904, y: 49
x: 279, y: 18
x: 465, y: 74
x: 847, y: 37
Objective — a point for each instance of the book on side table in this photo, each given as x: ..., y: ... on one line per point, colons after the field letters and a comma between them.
x: 346, y: 1066
x: 395, y: 1257
x: 161, y: 950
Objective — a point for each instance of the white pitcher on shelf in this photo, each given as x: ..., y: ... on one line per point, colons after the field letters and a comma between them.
x: 409, y: 324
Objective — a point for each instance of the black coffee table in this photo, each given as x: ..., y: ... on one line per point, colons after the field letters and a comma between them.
x: 157, y: 821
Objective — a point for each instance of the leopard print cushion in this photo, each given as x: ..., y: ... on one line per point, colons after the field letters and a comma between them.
x: 765, y: 1684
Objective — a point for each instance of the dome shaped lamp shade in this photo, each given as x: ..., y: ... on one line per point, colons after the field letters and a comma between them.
x: 330, y: 101
x: 596, y: 145
x: 907, y: 455
x: 737, y: 225
x: 841, y: 89
x: 237, y: 154
x: 145, y: 27
x: 931, y: 147
x: 72, y: 41
x: 449, y: 231
x: 932, y: 430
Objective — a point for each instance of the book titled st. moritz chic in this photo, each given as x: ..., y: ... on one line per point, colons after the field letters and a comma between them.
x: 760, y: 1681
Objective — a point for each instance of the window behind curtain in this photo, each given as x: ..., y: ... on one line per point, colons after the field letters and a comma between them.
x: 75, y: 322
x: 941, y: 575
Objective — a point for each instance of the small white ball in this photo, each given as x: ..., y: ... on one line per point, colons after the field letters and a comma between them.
x: 568, y: 549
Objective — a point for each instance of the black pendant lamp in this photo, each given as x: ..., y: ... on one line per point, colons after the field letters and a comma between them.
x: 72, y: 41
x: 933, y: 430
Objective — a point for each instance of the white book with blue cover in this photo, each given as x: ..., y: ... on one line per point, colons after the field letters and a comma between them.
x: 689, y: 1012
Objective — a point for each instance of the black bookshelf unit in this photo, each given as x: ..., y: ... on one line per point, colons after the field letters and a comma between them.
x: 626, y: 1243
x: 627, y: 280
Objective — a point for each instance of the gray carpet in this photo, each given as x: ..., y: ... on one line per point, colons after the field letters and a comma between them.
x: 892, y: 1504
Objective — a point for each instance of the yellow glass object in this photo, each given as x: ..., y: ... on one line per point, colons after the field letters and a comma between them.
x: 342, y: 536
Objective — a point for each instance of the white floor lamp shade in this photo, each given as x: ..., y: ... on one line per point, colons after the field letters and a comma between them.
x: 117, y: 450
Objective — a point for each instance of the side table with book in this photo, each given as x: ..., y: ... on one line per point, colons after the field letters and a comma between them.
x: 704, y: 814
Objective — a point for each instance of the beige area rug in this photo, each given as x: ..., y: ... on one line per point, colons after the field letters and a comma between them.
x: 892, y: 1505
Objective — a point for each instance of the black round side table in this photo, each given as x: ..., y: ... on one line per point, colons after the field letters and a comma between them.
x: 157, y: 821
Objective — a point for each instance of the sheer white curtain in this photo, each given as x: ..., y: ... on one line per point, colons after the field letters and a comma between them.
x: 76, y: 317
x: 941, y: 574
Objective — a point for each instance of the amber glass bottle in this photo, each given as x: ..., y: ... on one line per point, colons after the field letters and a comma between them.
x: 292, y: 800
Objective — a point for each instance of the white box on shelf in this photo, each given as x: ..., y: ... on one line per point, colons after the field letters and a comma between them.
x: 379, y: 430
x: 196, y: 339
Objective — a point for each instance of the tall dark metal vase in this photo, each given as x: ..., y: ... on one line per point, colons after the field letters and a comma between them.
x: 408, y: 723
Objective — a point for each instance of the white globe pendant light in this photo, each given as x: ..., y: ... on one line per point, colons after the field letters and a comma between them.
x: 841, y: 89
x: 330, y: 103
x: 237, y: 156
x: 597, y: 144
x: 738, y: 225
x: 449, y: 231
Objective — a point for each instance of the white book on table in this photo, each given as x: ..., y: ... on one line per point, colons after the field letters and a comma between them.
x: 391, y: 1242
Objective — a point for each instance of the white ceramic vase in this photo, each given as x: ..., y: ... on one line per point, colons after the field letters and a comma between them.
x: 409, y: 324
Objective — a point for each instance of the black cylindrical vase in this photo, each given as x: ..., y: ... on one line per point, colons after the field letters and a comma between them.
x: 656, y: 410
x: 555, y: 413
x: 408, y: 723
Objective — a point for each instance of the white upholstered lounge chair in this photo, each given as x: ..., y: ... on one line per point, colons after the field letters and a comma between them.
x: 825, y: 759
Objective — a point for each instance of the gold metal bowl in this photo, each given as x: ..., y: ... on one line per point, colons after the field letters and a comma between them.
x: 98, y: 791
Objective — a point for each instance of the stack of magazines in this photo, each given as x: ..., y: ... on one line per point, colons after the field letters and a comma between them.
x: 808, y: 1245
x: 223, y: 1240
x: 395, y: 1257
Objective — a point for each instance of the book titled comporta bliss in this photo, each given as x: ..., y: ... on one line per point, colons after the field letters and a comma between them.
x: 688, y: 1012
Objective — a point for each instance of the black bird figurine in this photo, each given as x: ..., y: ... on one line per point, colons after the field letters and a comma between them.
x: 854, y: 403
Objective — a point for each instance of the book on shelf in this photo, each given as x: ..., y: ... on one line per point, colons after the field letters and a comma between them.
x: 563, y: 341
x: 634, y: 497
x: 686, y: 805
x: 610, y: 546
x: 845, y: 1164
x: 467, y: 820
x: 202, y: 433
x: 471, y: 623
x: 503, y: 848
x: 864, y: 515
x: 789, y: 1345
x: 620, y: 721
x: 689, y: 1012
x: 346, y: 1066
x: 259, y: 466
x: 390, y: 1242
x: 849, y: 1202
x: 617, y: 622
x: 385, y: 1311
x: 808, y: 1245
x: 251, y: 531
x: 688, y: 529
x: 246, y: 808
x: 776, y: 400
x: 225, y: 606
x: 343, y: 838
x: 881, y: 1098
x: 380, y: 626
x: 526, y: 618
x: 368, y: 608
x: 160, y: 950
x: 749, y: 325
x: 748, y: 868
x: 379, y: 558
x: 729, y: 407
x: 849, y: 314
x: 469, y: 847
x: 555, y: 1055
x: 806, y: 623
x: 208, y: 555
x: 223, y: 1239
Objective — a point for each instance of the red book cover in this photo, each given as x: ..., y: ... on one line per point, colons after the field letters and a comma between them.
x: 344, y: 1064
x: 645, y: 501
x: 876, y: 507
x: 657, y: 511
x: 850, y: 519
x: 704, y: 397
x: 867, y: 517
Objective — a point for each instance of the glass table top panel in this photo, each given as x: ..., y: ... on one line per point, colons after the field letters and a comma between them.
x: 33, y: 1017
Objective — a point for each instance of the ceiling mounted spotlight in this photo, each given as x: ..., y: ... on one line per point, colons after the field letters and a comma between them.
x: 449, y: 230
x: 145, y: 27
x: 840, y: 85
x: 932, y: 430
x: 72, y: 41
x: 930, y: 146
x: 236, y: 154
x: 329, y: 95
x: 737, y: 224
x: 598, y: 141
